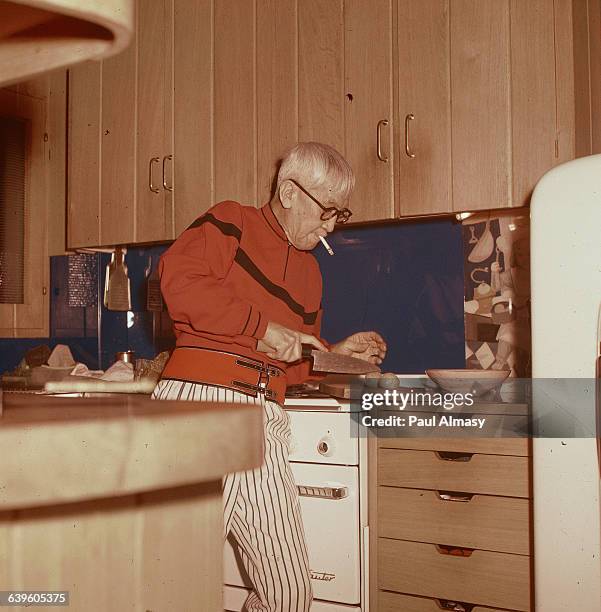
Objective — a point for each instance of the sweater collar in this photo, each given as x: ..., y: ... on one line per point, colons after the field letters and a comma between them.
x: 273, y: 222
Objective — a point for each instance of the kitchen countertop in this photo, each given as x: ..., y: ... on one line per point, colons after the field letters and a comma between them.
x: 62, y: 449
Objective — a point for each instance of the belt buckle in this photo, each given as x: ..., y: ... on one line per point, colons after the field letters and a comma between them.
x: 264, y: 371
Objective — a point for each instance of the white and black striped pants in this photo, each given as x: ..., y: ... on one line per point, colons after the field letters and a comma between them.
x: 261, y: 507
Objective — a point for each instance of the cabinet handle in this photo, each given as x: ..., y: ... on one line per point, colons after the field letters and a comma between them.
x: 379, y: 140
x: 454, y: 496
x: 323, y: 492
x: 453, y: 456
x: 408, y: 118
x: 454, y: 551
x: 150, y: 185
x: 165, y: 186
x: 455, y: 606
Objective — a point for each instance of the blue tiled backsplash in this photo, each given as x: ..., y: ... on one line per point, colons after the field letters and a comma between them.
x: 405, y: 281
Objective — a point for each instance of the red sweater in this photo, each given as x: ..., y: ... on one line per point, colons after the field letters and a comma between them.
x: 230, y: 273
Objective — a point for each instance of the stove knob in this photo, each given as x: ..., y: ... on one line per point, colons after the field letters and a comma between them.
x: 326, y: 446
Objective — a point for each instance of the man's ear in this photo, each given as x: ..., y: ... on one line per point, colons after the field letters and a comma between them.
x: 287, y: 194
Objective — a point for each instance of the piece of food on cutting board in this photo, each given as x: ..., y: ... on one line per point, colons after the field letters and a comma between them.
x: 389, y: 381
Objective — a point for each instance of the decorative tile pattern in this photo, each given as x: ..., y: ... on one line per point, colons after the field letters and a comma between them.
x: 497, y: 293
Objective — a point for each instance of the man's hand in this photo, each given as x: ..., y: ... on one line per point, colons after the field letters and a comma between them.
x: 284, y: 344
x: 368, y: 345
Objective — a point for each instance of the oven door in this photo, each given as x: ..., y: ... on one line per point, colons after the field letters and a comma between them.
x: 329, y: 496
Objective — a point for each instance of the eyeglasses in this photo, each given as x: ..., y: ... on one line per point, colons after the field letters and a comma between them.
x: 342, y: 214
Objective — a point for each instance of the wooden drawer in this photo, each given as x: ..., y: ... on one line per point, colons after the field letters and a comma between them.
x: 395, y: 602
x: 489, y: 474
x: 485, y: 522
x: 484, y: 578
x: 488, y: 446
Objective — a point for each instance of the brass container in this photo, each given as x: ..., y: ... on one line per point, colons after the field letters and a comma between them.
x: 125, y: 356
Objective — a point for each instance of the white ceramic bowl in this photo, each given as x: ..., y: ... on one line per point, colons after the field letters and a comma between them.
x: 468, y: 381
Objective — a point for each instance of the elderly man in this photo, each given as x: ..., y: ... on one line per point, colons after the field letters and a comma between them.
x: 244, y: 294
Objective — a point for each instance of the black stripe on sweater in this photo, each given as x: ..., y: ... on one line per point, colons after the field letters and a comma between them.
x: 245, y: 262
x: 229, y: 229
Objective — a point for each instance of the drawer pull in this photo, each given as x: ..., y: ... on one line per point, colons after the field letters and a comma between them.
x: 452, y: 456
x: 455, y: 606
x: 454, y: 496
x: 455, y: 551
x: 323, y: 492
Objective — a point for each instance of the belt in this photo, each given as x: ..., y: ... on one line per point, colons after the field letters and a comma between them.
x: 211, y: 367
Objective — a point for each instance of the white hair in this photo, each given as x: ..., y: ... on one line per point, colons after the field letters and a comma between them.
x: 314, y: 164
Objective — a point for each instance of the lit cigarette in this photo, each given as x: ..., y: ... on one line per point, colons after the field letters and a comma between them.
x: 326, y: 245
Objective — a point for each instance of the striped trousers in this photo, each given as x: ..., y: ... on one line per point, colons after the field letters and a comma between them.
x: 261, y: 507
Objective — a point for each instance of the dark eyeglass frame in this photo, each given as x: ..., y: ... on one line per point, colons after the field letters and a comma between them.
x: 329, y: 212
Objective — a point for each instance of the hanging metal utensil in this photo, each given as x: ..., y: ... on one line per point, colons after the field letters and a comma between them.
x: 117, y: 293
x: 484, y: 247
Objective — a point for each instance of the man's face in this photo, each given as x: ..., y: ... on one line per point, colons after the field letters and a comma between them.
x: 304, y: 224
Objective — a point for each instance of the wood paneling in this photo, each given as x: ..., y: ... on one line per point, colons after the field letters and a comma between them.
x: 368, y: 99
x: 481, y: 113
x: 118, y: 148
x: 192, y: 110
x: 424, y: 90
x: 594, y: 17
x: 277, y: 88
x: 235, y: 114
x: 582, y: 78
x: 151, y: 65
x: 564, y: 66
x: 83, y: 189
x: 321, y: 72
x: 30, y: 319
x: 533, y: 113
x: 57, y: 162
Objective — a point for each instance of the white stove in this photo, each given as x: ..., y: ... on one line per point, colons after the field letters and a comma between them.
x: 329, y: 462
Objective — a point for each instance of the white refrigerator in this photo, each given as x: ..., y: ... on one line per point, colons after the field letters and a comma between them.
x: 566, y: 299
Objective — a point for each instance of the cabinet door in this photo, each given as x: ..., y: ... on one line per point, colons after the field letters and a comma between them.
x: 30, y: 318
x: 321, y: 72
x: 83, y: 166
x: 101, y: 160
x: 533, y: 86
x: 423, y: 107
x: 277, y: 90
x: 368, y: 107
x: 234, y: 101
x: 481, y: 104
x: 192, y: 127
x: 118, y: 148
x: 153, y: 213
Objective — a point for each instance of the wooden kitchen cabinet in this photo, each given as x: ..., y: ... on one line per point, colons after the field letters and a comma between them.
x: 470, y: 102
x: 423, y: 107
x: 368, y: 107
x: 487, y: 99
x: 450, y: 521
x: 476, y: 103
x: 139, y: 131
x: 116, y: 125
x: 154, y: 160
x: 30, y: 317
